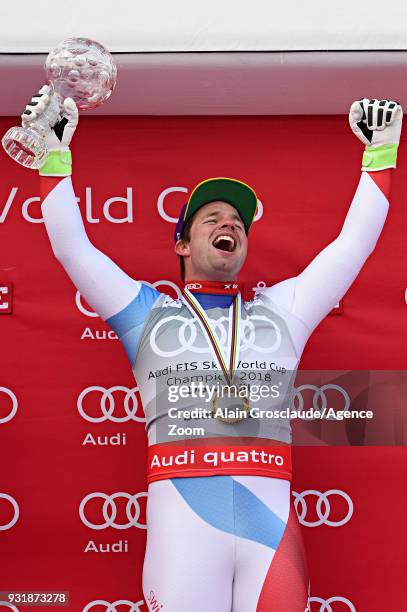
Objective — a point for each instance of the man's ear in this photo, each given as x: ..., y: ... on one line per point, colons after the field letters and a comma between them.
x: 182, y: 248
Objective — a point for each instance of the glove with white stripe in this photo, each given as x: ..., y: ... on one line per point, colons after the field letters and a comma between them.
x: 57, y: 137
x: 377, y: 123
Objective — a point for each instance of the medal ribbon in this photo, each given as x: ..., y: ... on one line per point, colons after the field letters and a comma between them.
x: 213, y: 341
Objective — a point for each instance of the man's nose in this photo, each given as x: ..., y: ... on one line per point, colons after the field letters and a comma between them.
x: 229, y: 223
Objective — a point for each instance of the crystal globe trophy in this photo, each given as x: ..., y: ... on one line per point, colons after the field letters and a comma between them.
x: 77, y: 68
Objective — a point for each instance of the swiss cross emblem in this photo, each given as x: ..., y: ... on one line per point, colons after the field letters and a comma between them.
x: 6, y: 298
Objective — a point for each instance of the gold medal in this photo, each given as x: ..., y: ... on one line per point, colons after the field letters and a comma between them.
x: 239, y: 413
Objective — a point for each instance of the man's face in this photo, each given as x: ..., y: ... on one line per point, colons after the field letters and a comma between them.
x: 218, y: 243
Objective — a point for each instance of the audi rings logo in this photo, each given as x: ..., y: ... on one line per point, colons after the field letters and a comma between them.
x: 107, y: 404
x: 14, y: 404
x: 15, y: 510
x: 132, y: 510
x: 333, y: 508
x: 160, y: 283
x: 320, y: 397
x: 112, y: 607
x: 326, y: 604
x: 169, y: 190
x: 187, y: 331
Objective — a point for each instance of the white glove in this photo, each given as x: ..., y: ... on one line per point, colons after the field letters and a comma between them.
x: 57, y: 137
x: 377, y: 123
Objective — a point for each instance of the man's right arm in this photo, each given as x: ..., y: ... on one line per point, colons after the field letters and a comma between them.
x: 121, y: 301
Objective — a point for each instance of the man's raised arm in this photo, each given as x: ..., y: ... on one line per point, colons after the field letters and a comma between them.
x: 117, y: 298
x: 312, y: 294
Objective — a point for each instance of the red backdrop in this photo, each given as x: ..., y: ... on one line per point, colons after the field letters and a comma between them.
x: 305, y: 171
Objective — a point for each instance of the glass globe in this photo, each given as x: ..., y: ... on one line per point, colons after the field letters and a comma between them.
x: 78, y: 68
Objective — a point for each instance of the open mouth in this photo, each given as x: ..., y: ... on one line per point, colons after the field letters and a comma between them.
x: 224, y: 243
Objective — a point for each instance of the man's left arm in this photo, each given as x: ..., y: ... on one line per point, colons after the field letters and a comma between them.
x: 313, y: 293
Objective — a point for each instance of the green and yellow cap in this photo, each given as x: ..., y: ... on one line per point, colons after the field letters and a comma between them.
x: 234, y: 192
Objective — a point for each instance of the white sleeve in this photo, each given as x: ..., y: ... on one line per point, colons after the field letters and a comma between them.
x: 105, y: 287
x: 312, y: 295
